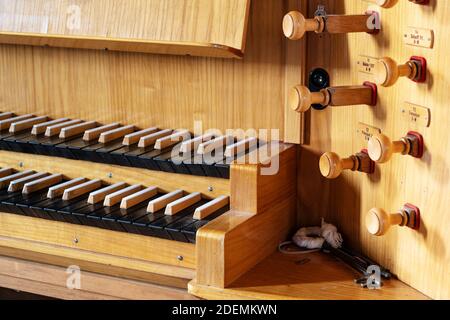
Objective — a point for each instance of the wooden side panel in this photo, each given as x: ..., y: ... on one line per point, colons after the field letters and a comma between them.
x: 157, y: 90
x: 421, y: 259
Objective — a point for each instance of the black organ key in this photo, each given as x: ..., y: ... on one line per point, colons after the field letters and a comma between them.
x: 62, y: 149
x: 14, y: 145
x: 126, y: 217
x: 100, y: 220
x: 25, y: 201
x: 53, y: 206
x: 195, y: 165
x: 88, y: 153
x: 164, y: 160
x: 143, y: 225
x: 51, y: 145
x: 35, y: 142
x: 109, y: 216
x: 76, y: 147
x: 84, y: 212
x: 105, y: 150
x: 6, y: 205
x: 174, y: 224
x: 191, y: 225
x: 161, y: 225
x: 67, y: 212
x: 23, y: 144
x: 118, y: 156
x: 134, y: 158
x: 3, y: 135
x: 210, y: 160
x: 148, y: 161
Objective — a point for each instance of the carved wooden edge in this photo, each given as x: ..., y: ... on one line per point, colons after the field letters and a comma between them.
x: 263, y: 213
x: 117, y: 44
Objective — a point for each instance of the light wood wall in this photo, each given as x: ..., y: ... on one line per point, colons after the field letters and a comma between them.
x: 421, y: 259
x: 164, y: 91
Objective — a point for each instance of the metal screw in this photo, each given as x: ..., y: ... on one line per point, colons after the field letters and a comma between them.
x: 110, y: 175
x: 21, y: 164
x: 210, y: 188
x: 180, y: 258
x: 76, y: 240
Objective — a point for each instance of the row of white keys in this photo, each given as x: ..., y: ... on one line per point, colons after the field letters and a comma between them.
x: 161, y: 139
x: 5, y: 124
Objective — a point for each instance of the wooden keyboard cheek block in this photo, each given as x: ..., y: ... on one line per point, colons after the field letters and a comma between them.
x: 263, y: 211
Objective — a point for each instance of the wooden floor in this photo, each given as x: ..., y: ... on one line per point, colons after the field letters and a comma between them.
x: 316, y: 276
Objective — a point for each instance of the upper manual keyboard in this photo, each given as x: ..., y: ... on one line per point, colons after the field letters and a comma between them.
x: 173, y: 151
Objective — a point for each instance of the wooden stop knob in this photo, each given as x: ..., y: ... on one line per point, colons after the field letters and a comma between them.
x: 381, y: 148
x: 378, y: 221
x: 295, y: 25
x: 301, y: 98
x: 387, y: 71
x: 331, y: 165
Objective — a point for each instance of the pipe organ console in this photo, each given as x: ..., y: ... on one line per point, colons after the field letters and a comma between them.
x: 181, y: 160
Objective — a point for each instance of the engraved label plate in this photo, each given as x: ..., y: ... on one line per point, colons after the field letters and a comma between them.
x: 419, y: 37
x: 416, y: 114
x: 366, y: 131
x: 367, y: 64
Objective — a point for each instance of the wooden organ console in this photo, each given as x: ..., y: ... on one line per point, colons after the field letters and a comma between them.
x: 167, y: 150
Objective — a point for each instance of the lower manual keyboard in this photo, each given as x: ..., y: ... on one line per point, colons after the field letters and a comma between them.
x: 133, y: 209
